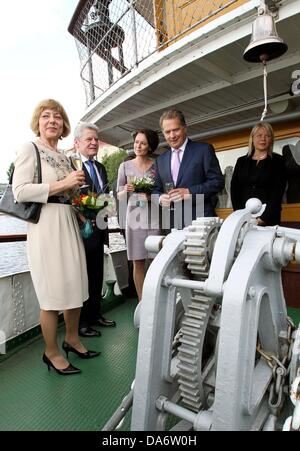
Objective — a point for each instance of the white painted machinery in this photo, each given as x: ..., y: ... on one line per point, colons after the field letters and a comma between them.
x: 216, y: 348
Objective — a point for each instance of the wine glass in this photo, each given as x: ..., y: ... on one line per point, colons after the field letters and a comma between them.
x: 168, y: 187
x: 130, y: 179
x: 77, y: 163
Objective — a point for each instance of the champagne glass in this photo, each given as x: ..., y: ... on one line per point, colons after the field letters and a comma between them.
x: 130, y: 179
x: 76, y: 161
x: 78, y: 164
x: 168, y: 187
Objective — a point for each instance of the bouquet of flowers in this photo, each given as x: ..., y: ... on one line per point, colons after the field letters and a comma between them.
x: 143, y: 185
x: 89, y: 205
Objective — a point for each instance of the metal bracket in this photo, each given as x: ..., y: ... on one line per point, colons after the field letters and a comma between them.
x: 273, y: 7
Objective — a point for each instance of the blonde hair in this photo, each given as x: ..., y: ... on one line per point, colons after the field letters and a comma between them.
x: 51, y: 105
x: 254, y: 130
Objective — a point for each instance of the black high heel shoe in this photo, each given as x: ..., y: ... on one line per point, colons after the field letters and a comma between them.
x: 65, y: 372
x: 83, y: 355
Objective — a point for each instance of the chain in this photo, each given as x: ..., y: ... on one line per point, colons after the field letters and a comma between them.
x: 280, y: 370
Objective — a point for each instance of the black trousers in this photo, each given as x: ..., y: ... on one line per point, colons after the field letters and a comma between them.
x: 94, y: 251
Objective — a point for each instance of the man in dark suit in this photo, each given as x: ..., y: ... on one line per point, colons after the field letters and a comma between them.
x: 191, y: 167
x: 86, y: 142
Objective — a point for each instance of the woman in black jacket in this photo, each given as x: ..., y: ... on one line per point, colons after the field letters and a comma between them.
x: 261, y: 174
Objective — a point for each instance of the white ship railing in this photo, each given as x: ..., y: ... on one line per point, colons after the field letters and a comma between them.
x: 19, y: 307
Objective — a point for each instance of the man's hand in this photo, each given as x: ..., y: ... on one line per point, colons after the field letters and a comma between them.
x: 164, y: 200
x: 175, y: 195
x: 179, y: 194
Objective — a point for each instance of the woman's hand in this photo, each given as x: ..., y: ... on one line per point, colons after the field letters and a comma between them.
x: 128, y: 188
x: 142, y: 196
x: 74, y: 179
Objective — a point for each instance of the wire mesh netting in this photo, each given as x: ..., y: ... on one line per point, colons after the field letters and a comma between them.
x: 114, y: 36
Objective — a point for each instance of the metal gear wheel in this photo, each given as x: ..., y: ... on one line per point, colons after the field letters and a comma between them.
x: 199, y: 244
x: 190, y: 352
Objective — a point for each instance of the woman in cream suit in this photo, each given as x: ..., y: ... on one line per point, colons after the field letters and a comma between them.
x: 55, y: 251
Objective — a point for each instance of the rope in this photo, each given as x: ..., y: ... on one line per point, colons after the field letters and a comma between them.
x: 265, y: 92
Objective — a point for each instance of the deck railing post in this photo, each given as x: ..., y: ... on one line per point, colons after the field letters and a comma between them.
x: 90, y: 66
x: 134, y: 33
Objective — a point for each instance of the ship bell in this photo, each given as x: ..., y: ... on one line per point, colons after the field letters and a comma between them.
x: 265, y: 44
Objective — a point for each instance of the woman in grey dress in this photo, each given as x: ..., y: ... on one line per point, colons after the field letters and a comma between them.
x: 139, y: 223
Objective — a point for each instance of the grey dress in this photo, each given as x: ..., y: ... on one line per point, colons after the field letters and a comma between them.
x: 139, y: 223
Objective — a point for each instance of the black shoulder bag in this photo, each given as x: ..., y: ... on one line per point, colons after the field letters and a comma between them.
x: 27, y: 211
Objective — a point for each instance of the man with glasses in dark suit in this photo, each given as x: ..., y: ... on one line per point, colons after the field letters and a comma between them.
x: 86, y: 142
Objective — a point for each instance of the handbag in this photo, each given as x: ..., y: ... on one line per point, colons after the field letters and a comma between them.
x: 27, y: 211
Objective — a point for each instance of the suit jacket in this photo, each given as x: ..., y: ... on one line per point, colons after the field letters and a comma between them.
x: 199, y: 172
x: 293, y: 174
x: 265, y: 181
x: 98, y: 236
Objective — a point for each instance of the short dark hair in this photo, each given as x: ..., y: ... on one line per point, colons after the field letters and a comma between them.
x: 151, y: 136
x: 172, y: 114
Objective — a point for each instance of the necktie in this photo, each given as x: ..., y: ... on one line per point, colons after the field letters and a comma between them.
x: 96, y: 184
x: 175, y: 165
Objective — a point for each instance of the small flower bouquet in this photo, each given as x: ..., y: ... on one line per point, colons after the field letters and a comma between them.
x: 89, y: 205
x: 143, y: 185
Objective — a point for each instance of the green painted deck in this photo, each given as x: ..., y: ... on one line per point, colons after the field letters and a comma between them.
x: 33, y: 399
x: 294, y: 313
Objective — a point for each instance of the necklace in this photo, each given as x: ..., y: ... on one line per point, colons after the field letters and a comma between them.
x: 54, y: 149
x: 260, y: 157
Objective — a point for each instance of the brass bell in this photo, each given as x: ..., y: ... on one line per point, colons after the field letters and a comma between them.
x: 265, y: 44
